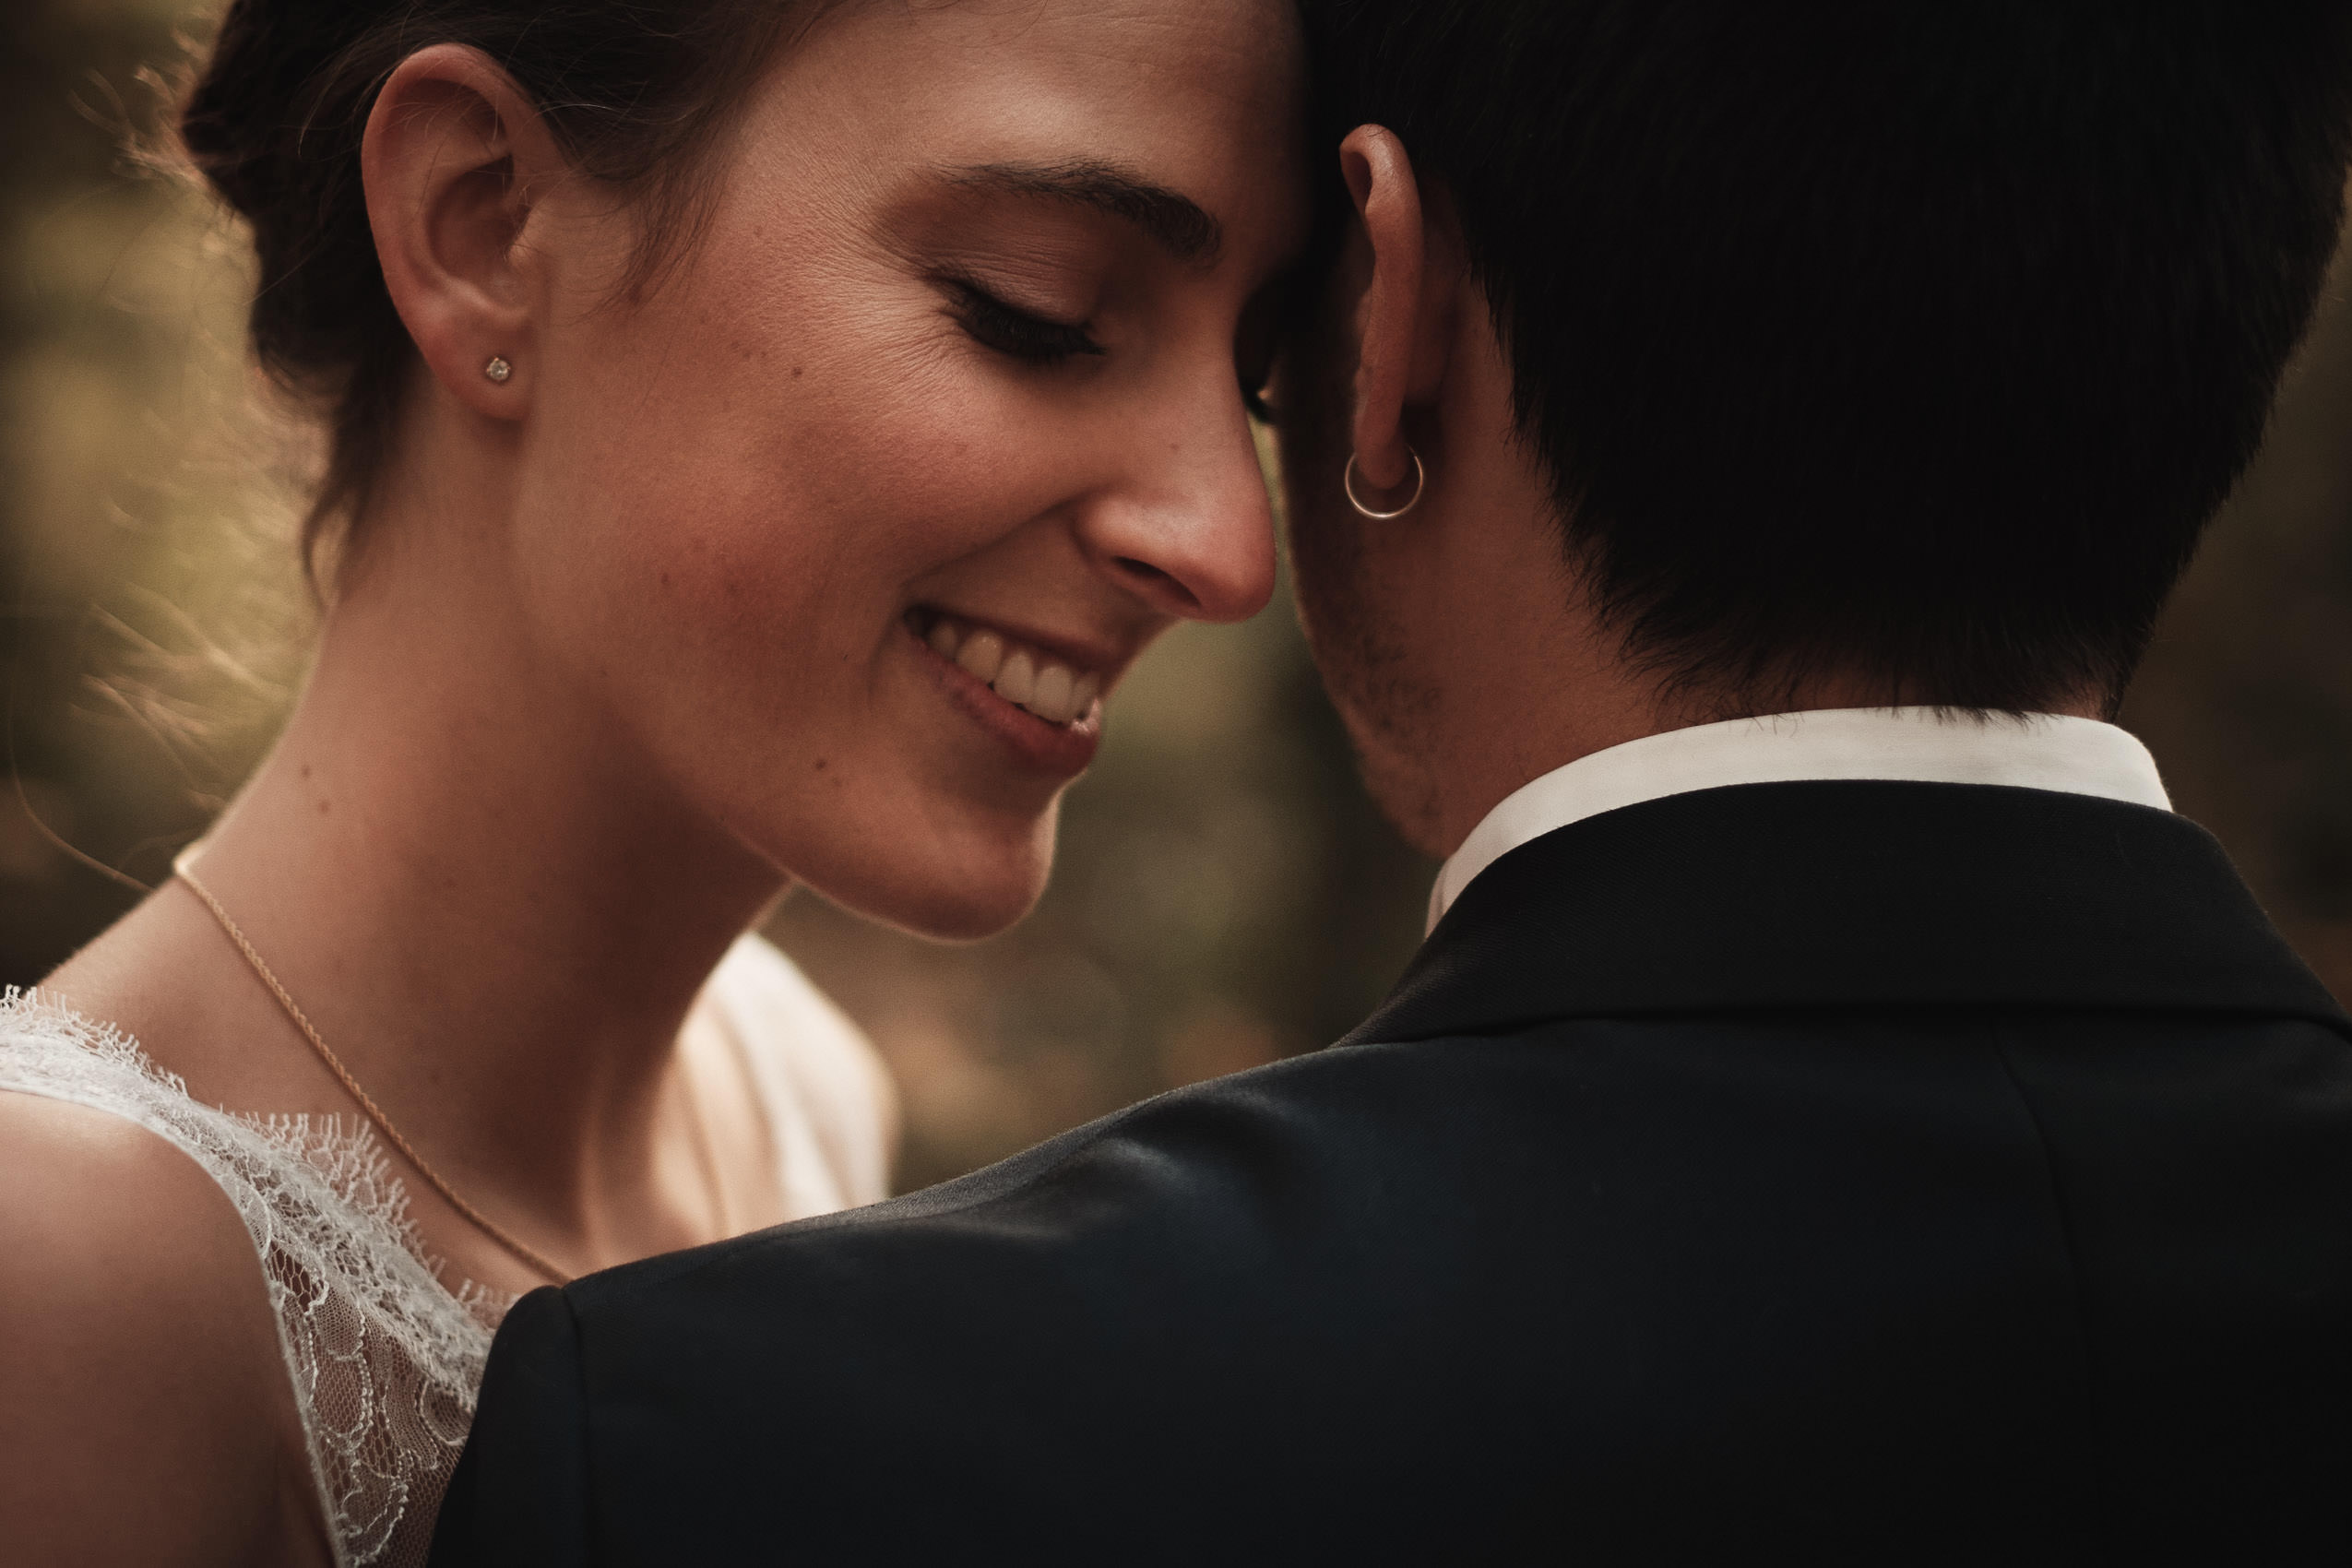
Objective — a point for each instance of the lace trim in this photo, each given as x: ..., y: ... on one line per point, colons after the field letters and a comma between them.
x: 386, y: 1360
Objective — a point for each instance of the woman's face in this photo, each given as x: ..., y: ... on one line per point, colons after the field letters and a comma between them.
x: 852, y: 523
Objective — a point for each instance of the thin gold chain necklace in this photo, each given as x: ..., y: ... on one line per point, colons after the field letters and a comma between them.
x: 183, y: 868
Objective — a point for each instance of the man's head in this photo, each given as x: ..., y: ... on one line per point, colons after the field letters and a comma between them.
x: 1846, y: 354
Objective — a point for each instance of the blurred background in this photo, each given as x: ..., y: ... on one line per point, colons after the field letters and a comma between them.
x: 1225, y: 895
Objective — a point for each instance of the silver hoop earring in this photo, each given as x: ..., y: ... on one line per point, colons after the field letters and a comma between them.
x: 1420, y: 482
x: 498, y: 370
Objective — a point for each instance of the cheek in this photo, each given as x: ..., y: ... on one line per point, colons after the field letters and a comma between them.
x: 1327, y: 538
x: 1359, y: 590
x: 724, y: 517
x: 776, y: 478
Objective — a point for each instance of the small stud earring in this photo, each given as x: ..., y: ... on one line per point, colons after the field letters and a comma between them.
x: 498, y: 370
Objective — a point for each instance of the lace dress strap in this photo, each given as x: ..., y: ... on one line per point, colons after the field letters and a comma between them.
x: 385, y: 1361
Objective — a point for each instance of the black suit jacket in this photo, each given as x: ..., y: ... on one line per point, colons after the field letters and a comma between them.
x: 1832, y: 1173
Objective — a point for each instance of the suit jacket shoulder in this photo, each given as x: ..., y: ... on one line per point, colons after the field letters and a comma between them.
x: 1848, y: 1170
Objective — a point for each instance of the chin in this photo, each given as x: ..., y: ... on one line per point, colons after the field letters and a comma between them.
x: 973, y: 914
x: 953, y: 892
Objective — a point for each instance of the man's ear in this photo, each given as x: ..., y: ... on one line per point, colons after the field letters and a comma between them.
x: 454, y: 156
x: 1405, y: 326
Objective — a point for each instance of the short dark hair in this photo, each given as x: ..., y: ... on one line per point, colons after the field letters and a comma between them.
x: 636, y: 91
x: 1919, y: 341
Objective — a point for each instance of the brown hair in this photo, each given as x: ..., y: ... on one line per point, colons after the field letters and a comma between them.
x: 634, y: 93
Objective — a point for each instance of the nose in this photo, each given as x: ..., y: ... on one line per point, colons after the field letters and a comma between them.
x: 1189, y: 529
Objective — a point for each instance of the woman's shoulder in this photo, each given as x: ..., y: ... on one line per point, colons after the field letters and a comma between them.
x: 289, y: 1254
x: 103, y: 1220
x: 826, y: 1091
x: 149, y: 1419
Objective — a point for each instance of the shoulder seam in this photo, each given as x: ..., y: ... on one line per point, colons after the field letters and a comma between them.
x: 2000, y: 1034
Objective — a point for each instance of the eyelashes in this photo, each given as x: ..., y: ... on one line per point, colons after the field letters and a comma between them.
x: 1035, y: 340
x: 1014, y: 332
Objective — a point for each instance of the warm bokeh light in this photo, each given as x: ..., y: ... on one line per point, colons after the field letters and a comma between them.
x: 1225, y: 895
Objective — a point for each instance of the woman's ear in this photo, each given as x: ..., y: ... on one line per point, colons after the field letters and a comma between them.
x: 1405, y: 326
x: 453, y: 157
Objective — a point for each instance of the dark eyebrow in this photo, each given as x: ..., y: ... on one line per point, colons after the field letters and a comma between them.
x: 1176, y: 221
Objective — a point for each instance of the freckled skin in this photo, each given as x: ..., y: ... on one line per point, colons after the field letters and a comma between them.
x: 791, y: 534
x: 626, y: 651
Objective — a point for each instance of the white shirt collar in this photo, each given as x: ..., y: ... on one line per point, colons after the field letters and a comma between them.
x: 2042, y: 751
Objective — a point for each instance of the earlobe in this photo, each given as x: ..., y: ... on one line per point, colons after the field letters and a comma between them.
x: 452, y: 150
x: 1385, y: 512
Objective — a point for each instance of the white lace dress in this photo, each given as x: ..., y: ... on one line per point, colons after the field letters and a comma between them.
x: 385, y: 1357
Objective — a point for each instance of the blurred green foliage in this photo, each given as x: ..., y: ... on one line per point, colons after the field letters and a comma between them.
x: 1225, y: 895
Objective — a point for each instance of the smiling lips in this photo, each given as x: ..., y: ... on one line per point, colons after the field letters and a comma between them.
x: 1027, y: 677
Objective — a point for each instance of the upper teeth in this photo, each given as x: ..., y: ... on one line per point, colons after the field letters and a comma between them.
x: 1018, y: 673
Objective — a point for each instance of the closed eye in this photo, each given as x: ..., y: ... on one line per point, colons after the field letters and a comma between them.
x: 1255, y: 342
x: 1012, y: 331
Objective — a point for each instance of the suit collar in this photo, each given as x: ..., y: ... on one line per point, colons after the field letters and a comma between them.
x: 1830, y: 894
x: 1924, y: 745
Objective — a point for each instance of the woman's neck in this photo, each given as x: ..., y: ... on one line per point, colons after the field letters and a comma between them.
x: 493, y: 915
